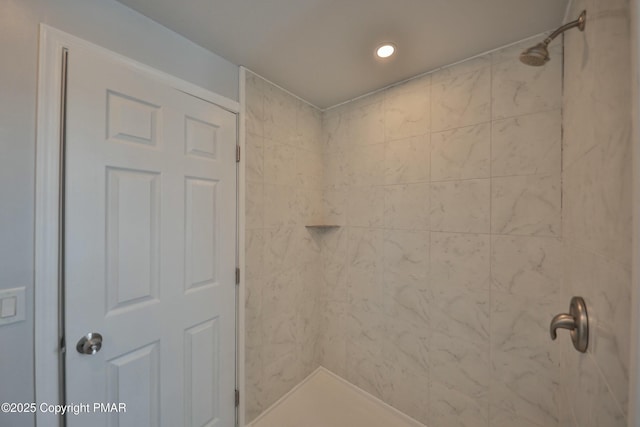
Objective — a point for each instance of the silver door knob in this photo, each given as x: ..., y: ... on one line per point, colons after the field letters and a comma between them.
x: 577, y: 321
x: 90, y: 343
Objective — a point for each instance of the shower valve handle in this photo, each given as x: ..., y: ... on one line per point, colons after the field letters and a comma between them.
x: 577, y: 322
x: 564, y: 321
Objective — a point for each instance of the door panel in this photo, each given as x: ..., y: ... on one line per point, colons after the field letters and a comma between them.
x: 200, y: 237
x: 150, y: 244
x: 133, y: 237
x: 201, y: 376
x: 134, y: 378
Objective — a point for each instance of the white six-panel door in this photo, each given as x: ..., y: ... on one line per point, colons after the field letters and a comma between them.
x: 150, y: 244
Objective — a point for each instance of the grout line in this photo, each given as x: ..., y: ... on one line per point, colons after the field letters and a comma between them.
x: 429, y: 232
x: 562, y: 97
x: 490, y: 292
x: 548, y: 174
x: 515, y: 116
x: 494, y: 177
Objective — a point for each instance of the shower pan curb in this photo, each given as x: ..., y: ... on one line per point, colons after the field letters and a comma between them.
x: 344, y: 385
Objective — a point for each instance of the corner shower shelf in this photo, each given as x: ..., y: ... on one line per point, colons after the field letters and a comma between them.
x: 322, y: 227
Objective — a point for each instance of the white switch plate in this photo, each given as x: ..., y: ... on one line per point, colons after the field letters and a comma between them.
x: 12, y: 302
x: 8, y: 307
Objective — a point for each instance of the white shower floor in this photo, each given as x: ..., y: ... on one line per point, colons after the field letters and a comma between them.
x: 326, y: 400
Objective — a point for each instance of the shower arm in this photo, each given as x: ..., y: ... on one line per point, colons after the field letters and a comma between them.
x: 580, y: 22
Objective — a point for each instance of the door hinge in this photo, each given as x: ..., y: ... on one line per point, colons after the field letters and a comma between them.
x: 237, y: 398
x: 237, y: 275
x: 237, y: 154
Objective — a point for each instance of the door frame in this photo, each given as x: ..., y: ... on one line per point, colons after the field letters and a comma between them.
x: 53, y: 43
x: 633, y: 411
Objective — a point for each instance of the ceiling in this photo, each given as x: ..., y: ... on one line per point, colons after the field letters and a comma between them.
x: 323, y: 50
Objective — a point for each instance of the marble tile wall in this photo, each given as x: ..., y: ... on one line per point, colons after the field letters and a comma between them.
x: 597, y: 212
x: 473, y: 203
x: 284, y: 181
x: 439, y: 285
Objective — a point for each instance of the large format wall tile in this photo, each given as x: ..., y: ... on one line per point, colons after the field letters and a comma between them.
x: 461, y: 206
x: 462, y: 153
x: 526, y: 266
x: 366, y: 165
x: 334, y: 250
x: 601, y: 78
x: 335, y: 129
x: 460, y: 262
x: 461, y: 316
x: 334, y: 206
x: 409, y: 390
x: 501, y: 417
x: 254, y: 382
x: 406, y: 161
x: 366, y: 124
x: 461, y: 100
x: 521, y: 89
x: 465, y: 67
x: 597, y: 197
x: 336, y: 169
x: 527, y: 145
x: 406, y: 111
x: 254, y: 205
x: 450, y: 408
x: 279, y: 160
x: 309, y: 129
x: 609, y: 310
x: 255, y: 104
x: 309, y: 169
x: 526, y: 205
x: 333, y: 337
x: 365, y: 207
x: 254, y: 249
x: 406, y: 206
x: 600, y: 184
x: 406, y: 292
x: 254, y: 158
x: 460, y: 365
x: 280, y: 111
x: 525, y: 362
x: 459, y: 275
x: 279, y: 206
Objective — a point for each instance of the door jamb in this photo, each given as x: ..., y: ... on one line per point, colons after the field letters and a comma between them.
x: 240, y: 365
x: 52, y: 43
x: 633, y: 411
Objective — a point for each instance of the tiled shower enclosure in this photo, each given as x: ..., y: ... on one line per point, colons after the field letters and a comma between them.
x: 456, y: 219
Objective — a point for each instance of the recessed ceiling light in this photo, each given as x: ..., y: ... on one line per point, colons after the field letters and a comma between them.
x: 385, y: 50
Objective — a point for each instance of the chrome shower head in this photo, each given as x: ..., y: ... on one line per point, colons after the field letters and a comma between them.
x: 539, y: 54
x: 536, y: 56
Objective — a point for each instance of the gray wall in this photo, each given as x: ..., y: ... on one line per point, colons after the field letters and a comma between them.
x: 106, y: 23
